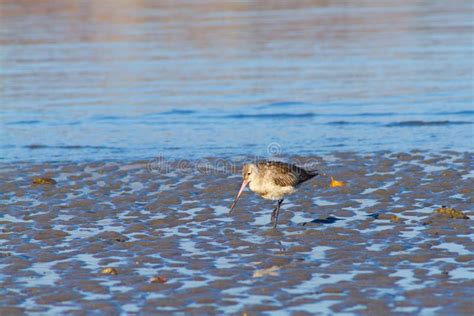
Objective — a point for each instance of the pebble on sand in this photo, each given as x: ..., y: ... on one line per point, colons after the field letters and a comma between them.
x: 158, y: 279
x: 109, y: 270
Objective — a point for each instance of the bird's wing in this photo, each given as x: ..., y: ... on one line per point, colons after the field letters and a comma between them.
x: 285, y: 174
x: 284, y: 180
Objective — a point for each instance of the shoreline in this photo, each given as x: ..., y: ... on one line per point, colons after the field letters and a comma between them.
x: 243, y: 157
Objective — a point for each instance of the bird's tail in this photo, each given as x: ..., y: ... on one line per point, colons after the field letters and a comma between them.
x: 309, y: 174
x: 314, y: 172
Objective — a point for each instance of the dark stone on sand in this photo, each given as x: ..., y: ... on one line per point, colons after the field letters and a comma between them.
x: 111, y: 236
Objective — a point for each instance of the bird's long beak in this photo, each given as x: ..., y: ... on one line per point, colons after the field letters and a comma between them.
x: 244, y: 184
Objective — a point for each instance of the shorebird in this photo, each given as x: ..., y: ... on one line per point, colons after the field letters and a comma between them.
x: 273, y: 180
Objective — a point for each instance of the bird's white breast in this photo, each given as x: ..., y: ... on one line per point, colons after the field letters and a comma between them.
x: 269, y: 190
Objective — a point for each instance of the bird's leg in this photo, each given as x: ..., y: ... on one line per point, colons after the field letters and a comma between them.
x: 275, y: 213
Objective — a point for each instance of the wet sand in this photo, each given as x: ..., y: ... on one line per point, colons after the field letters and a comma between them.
x: 373, y: 246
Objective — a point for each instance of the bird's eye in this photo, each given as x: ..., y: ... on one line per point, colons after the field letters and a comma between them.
x: 248, y: 173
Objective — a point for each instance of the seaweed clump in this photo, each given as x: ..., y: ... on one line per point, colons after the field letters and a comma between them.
x: 43, y: 180
x: 451, y: 213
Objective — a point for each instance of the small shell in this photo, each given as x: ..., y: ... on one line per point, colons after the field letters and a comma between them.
x: 109, y: 270
x: 158, y: 279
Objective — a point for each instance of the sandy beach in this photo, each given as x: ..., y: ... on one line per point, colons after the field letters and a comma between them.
x: 154, y: 236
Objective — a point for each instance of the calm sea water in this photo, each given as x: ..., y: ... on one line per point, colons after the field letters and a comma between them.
x: 96, y: 80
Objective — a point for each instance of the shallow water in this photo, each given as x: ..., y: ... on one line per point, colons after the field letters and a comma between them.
x: 55, y: 239
x: 133, y: 80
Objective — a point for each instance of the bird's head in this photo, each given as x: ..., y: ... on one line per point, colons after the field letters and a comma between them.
x: 249, y: 172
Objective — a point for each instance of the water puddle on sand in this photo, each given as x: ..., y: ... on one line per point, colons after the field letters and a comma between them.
x: 323, y: 307
x: 189, y: 247
x: 469, y: 175
x: 262, y: 219
x: 376, y: 247
x: 466, y: 273
x: 239, y: 295
x: 319, y: 279
x: 192, y: 212
x: 220, y: 210
x: 408, y: 281
x: 13, y: 219
x: 299, y: 218
x: 226, y: 262
x: 90, y: 262
x: 47, y: 276
x: 453, y: 247
x: 319, y: 252
x: 383, y: 187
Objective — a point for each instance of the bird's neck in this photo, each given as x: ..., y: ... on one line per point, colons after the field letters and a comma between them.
x: 256, y: 185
